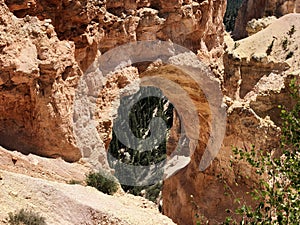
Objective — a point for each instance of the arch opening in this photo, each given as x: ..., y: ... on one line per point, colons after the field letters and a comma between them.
x: 140, y: 116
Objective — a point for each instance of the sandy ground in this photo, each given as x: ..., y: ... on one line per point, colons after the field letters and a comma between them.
x: 40, y: 184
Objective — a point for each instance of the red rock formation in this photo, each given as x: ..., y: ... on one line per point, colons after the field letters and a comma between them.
x: 256, y: 81
x: 41, y: 61
x: 94, y: 25
x: 45, y: 81
x: 255, y: 9
x: 37, y: 82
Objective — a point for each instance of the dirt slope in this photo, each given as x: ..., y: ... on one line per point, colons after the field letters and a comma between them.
x: 38, y: 183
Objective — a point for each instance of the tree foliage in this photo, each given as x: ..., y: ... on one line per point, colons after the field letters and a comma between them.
x: 231, y: 14
x: 140, y: 116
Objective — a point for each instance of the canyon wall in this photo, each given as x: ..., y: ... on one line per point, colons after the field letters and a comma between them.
x: 101, y: 25
x: 38, y: 78
x: 257, y: 73
x: 251, y: 9
x: 46, y: 46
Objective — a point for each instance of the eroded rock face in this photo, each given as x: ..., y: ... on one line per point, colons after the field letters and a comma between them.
x: 256, y: 79
x: 42, y: 60
x: 42, y: 57
x: 272, y: 50
x: 255, y: 9
x: 38, y: 77
x: 76, y: 21
x: 191, y: 192
x: 94, y: 25
x: 256, y: 25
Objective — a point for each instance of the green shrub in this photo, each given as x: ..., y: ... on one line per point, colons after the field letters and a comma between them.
x: 270, y: 48
x: 74, y: 182
x: 236, y: 45
x: 289, y: 55
x: 25, y: 217
x: 151, y: 191
x: 103, y: 181
x: 285, y: 44
x: 291, y: 31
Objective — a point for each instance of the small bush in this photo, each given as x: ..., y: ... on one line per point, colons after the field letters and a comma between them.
x: 291, y: 31
x: 103, y: 181
x: 151, y: 191
x: 289, y: 55
x: 74, y: 182
x: 270, y: 48
x: 285, y: 44
x: 236, y: 45
x: 26, y: 217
